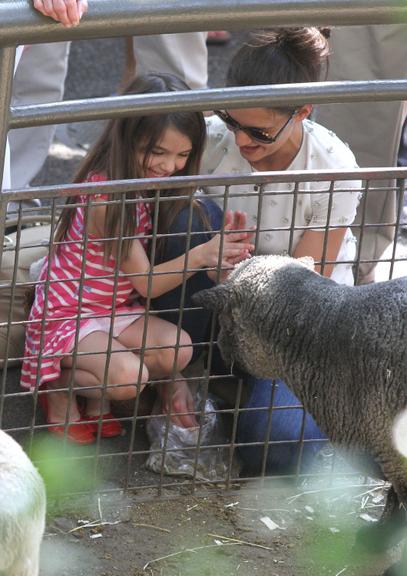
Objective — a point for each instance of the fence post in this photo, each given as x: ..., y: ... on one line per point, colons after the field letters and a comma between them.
x: 7, y: 58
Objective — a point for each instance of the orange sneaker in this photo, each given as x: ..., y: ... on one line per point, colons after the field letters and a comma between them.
x: 110, y: 426
x: 78, y: 432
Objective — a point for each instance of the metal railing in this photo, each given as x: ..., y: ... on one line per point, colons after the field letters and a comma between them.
x: 19, y: 24
x: 108, y: 18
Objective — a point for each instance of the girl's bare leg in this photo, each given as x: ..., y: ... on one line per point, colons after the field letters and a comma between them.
x: 125, y: 377
x: 165, y: 362
x: 162, y: 361
x: 58, y: 401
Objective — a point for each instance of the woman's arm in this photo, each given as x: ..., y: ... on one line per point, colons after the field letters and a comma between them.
x: 312, y: 244
x: 345, y: 200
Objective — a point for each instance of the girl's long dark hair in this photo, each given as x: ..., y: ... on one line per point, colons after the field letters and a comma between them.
x: 280, y: 56
x: 114, y: 155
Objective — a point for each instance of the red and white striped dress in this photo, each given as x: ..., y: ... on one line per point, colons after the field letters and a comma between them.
x: 43, y: 356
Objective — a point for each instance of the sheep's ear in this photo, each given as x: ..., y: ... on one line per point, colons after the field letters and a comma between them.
x: 215, y: 299
x: 307, y: 261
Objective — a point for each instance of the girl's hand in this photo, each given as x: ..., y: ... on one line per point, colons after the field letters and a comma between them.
x: 177, y: 399
x: 68, y: 12
x: 235, y: 244
x: 234, y: 222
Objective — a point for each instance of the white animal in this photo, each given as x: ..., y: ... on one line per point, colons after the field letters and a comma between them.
x: 22, y: 511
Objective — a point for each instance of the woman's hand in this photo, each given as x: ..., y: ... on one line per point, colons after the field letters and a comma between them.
x: 68, y: 12
x: 238, y: 220
x: 176, y: 398
x: 312, y: 243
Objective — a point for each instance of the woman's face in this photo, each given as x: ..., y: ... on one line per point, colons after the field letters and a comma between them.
x: 169, y: 155
x: 262, y: 155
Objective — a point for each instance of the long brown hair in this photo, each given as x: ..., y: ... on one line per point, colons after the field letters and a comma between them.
x: 115, y: 156
x: 280, y: 56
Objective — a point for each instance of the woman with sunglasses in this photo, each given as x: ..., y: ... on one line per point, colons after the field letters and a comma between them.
x: 248, y: 140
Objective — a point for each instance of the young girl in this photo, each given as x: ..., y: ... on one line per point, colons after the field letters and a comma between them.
x: 68, y: 339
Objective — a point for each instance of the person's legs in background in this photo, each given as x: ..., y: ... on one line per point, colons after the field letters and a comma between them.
x: 372, y: 129
x: 402, y: 161
x: 39, y: 79
x: 5, y: 178
x: 185, y: 55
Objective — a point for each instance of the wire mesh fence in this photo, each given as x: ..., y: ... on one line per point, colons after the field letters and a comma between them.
x: 109, y: 351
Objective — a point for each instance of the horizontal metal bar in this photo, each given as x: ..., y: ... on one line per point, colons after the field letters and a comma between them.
x: 21, y: 24
x: 219, y: 98
x: 147, y: 184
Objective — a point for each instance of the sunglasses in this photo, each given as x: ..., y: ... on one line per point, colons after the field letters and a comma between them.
x: 260, y: 134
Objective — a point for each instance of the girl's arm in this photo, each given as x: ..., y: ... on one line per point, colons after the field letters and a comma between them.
x: 176, y: 397
x: 312, y: 244
x: 169, y: 275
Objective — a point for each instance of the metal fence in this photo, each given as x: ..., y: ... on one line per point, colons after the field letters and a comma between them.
x: 202, y: 457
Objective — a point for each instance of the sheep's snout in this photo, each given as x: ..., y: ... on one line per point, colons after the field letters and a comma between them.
x: 216, y: 299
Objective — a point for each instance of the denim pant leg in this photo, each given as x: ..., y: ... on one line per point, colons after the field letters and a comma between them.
x: 285, y: 426
x: 195, y: 322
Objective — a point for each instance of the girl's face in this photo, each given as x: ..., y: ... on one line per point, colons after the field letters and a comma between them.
x: 262, y: 155
x: 169, y: 155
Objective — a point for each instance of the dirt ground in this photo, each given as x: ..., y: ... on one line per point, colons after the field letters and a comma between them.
x: 279, y: 529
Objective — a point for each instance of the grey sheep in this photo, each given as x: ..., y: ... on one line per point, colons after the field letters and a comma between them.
x: 341, y: 349
x: 22, y: 511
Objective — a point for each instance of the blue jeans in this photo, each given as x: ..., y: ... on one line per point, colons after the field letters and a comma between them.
x: 253, y: 425
x: 286, y: 426
x: 195, y: 322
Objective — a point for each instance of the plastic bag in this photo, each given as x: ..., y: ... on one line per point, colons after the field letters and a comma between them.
x: 179, y: 458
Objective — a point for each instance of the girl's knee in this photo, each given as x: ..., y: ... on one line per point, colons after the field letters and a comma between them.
x: 185, y: 351
x: 178, y: 355
x: 128, y: 378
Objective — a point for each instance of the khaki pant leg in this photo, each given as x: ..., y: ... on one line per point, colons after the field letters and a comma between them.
x: 39, y: 79
x: 372, y: 130
x: 185, y: 55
